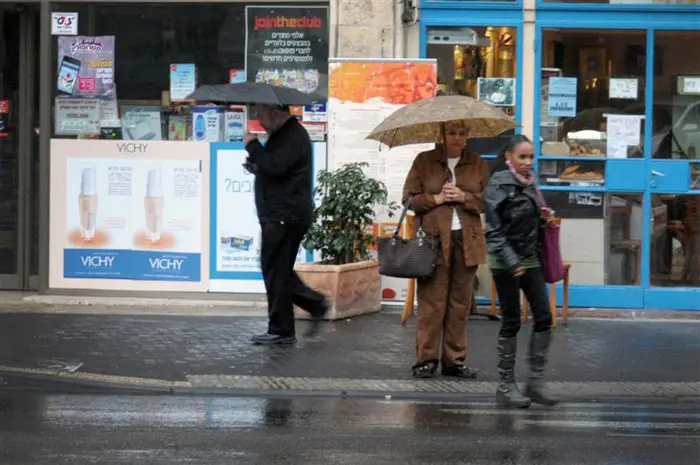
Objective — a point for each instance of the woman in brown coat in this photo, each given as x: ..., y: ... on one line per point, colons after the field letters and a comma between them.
x: 445, y: 186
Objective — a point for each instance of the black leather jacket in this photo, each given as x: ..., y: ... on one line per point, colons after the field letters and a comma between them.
x: 512, y: 219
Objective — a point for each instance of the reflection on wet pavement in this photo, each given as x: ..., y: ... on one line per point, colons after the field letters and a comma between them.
x: 88, y: 430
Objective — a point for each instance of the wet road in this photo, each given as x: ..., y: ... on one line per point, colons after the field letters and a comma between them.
x: 88, y: 430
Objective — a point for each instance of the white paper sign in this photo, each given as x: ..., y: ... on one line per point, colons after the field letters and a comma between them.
x: 624, y: 89
x: 623, y: 131
x: 77, y: 116
x: 64, y: 24
x: 691, y: 85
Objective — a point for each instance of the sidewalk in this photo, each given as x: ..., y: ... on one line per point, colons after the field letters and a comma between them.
x: 370, y: 354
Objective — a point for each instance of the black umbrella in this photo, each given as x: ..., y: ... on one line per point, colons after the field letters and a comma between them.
x: 249, y: 93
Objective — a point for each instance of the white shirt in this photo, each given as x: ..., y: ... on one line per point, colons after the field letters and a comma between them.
x: 452, y: 162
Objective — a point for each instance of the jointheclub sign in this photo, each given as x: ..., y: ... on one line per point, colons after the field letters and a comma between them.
x: 262, y: 22
x: 288, y: 47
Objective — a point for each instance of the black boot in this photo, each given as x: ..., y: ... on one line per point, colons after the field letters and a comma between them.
x: 539, y: 346
x: 508, y: 394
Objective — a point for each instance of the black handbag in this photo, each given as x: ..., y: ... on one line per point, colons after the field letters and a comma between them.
x: 407, y: 258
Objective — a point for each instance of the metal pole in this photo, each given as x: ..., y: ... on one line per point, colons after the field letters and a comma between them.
x: 45, y: 107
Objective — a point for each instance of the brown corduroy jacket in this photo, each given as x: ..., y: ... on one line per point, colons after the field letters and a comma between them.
x: 425, y: 180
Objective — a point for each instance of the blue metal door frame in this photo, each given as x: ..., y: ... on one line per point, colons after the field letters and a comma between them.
x: 625, y: 175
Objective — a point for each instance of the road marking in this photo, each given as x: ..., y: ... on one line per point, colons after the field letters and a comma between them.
x: 653, y: 435
x: 612, y: 424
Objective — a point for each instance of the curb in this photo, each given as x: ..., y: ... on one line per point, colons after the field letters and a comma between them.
x: 141, y: 302
x: 261, y: 386
x: 66, y: 304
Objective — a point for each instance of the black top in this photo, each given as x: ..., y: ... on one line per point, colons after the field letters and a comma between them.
x: 283, y: 175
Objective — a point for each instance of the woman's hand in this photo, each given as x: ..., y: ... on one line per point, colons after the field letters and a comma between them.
x: 439, y: 198
x: 519, y: 271
x: 547, y: 213
x: 453, y: 194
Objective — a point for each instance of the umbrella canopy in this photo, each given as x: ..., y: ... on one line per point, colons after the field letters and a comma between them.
x: 423, y: 121
x: 248, y: 93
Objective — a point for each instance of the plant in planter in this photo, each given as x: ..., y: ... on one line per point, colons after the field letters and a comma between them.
x: 347, y: 200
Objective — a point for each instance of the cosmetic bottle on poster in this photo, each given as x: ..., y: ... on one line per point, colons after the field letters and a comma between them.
x: 153, y: 204
x: 87, y: 203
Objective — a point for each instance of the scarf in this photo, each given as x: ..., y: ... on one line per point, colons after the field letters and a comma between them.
x: 528, y: 180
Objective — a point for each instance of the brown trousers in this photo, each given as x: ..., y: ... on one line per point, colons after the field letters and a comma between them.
x: 444, y: 303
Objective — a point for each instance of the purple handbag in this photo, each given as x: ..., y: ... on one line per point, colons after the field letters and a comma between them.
x: 548, y: 251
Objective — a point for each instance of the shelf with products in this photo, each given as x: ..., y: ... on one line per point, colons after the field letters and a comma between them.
x: 572, y: 172
x: 588, y: 145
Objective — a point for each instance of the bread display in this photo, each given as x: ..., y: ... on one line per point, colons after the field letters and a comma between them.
x: 573, y: 173
x: 582, y: 149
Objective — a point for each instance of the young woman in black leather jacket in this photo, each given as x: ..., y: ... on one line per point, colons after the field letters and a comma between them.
x: 513, y: 218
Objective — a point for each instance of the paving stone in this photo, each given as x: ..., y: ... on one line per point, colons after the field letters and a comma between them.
x: 368, y: 348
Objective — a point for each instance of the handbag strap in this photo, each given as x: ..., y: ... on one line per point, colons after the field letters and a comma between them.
x: 407, y: 206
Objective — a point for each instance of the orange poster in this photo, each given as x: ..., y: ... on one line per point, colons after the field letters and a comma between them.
x: 397, y: 83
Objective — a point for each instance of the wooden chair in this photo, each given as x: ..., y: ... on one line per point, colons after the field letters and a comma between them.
x: 552, y: 299
x: 409, y: 231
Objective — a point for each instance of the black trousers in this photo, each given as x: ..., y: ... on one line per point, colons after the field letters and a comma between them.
x: 280, y: 245
x: 533, y: 285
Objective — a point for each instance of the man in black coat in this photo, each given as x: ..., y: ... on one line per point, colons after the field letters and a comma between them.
x: 283, y: 198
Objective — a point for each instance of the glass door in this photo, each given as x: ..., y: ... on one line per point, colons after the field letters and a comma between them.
x: 592, y: 95
x: 18, y: 146
x: 673, y: 220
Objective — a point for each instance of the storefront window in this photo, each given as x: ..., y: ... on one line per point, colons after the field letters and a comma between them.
x: 675, y: 248
x: 676, y: 119
x: 479, y: 62
x: 591, y: 104
x: 130, y: 67
x: 631, y: 2
x: 602, y: 235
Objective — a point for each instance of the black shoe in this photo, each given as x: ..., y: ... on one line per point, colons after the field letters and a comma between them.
x: 317, y: 318
x: 424, y: 370
x: 459, y: 371
x: 273, y: 339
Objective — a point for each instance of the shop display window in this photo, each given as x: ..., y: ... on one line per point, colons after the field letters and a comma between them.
x: 603, y: 234
x: 146, y: 59
x: 675, y: 252
x: 592, y: 93
x: 676, y: 118
x: 479, y: 62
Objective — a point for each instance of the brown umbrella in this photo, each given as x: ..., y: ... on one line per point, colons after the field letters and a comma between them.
x: 423, y: 121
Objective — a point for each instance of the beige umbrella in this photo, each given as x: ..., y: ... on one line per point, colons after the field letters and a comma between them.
x: 423, y: 121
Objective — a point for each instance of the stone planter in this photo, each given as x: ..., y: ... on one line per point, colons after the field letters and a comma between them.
x: 354, y: 289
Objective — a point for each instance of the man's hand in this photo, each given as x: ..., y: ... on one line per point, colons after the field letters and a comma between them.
x: 248, y: 138
x: 453, y: 194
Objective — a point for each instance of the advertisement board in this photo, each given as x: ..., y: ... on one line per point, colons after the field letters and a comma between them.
x: 362, y: 93
x: 288, y: 46
x: 129, y: 215
x: 86, y: 66
x: 235, y: 232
